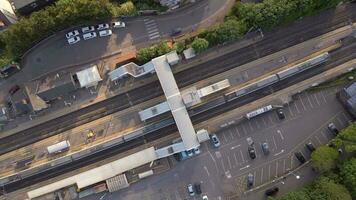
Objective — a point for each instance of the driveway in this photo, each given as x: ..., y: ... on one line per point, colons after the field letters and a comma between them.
x: 222, y: 172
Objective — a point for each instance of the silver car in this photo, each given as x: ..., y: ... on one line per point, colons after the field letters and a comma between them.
x: 190, y: 190
x: 72, y: 34
x: 88, y: 29
x: 73, y: 40
x: 105, y: 33
x: 88, y: 36
x: 215, y: 140
x: 102, y: 26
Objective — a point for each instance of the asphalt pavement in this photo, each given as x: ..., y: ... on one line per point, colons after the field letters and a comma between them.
x: 222, y: 171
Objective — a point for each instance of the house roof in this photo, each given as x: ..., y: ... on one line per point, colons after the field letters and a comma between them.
x: 88, y: 77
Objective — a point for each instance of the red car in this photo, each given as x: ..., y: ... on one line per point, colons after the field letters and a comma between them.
x: 14, y: 89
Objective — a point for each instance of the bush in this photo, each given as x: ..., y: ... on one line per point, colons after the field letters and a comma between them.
x: 326, y: 189
x: 348, y: 173
x: 146, y: 54
x: 179, y: 46
x: 199, y: 45
x: 324, y: 158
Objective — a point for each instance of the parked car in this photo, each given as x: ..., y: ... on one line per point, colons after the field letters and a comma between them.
x: 196, y: 151
x: 73, y: 40
x: 105, y: 33
x: 14, y: 89
x: 310, y: 147
x: 215, y: 140
x: 272, y: 191
x: 190, y: 190
x: 252, y: 152
x: 333, y: 128
x: 250, y: 141
x: 88, y: 29
x: 88, y: 36
x: 249, y: 179
x: 205, y: 197
x: 265, y: 148
x: 300, y: 157
x: 197, y: 188
x: 190, y: 153
x: 102, y: 26
x: 118, y: 24
x: 176, y: 32
x: 72, y: 34
x: 280, y: 113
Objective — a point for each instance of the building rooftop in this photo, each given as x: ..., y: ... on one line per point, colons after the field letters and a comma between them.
x: 21, y: 3
x: 89, y: 77
x: 131, y: 69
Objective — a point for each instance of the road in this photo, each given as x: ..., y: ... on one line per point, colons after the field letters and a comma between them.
x: 273, y: 41
x: 222, y: 172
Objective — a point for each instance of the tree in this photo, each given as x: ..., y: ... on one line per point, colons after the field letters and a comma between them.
x: 296, y: 195
x: 348, y: 173
x: 146, y: 54
x: 324, y: 158
x: 179, y: 46
x: 326, y: 189
x: 199, y: 45
x: 162, y: 48
x: 348, y: 138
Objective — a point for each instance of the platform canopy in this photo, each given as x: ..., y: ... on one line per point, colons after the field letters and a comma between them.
x: 89, y: 77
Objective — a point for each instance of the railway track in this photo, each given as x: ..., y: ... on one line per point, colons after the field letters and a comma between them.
x: 338, y: 57
x: 273, y: 42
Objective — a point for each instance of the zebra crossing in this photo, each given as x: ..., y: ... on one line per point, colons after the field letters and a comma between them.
x: 151, y: 28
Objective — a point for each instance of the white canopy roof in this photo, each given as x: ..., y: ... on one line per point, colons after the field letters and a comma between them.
x: 89, y: 77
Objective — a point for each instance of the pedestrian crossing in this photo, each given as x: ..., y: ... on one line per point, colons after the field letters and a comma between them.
x: 151, y: 28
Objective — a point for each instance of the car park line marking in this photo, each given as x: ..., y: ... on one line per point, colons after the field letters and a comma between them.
x: 324, y: 136
x: 224, y: 138
x: 280, y: 134
x: 296, y: 107
x: 229, y: 162
x: 274, y: 142
x: 317, y: 139
x: 270, y: 119
x: 242, y: 156
x: 247, y: 166
x: 231, y: 134
x: 249, y: 123
x: 316, y: 98
x: 276, y: 175
x: 206, y: 170
x: 244, y: 129
x: 269, y: 172
x: 322, y: 94
x: 284, y: 165
x: 311, y: 105
x: 234, y: 147
x: 264, y: 121
x: 237, y: 163
x: 340, y: 122
x: 301, y: 100
x: 276, y: 154
x: 345, y: 116
x: 262, y: 175
x: 237, y: 130
x: 254, y: 178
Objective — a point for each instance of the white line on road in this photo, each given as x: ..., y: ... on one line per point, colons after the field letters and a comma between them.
x: 152, y: 31
x: 231, y: 134
x: 280, y: 133
x: 262, y: 175
x: 284, y: 165
x: 247, y: 166
x: 290, y: 110
x: 249, y: 123
x: 279, y: 153
x: 322, y: 94
x: 254, y: 180
x: 242, y: 156
x: 244, y: 129
x: 206, y: 169
x: 264, y: 121
x: 274, y: 142
x: 150, y: 26
x: 234, y: 147
x: 237, y: 163
x: 276, y: 169
x: 296, y: 107
x: 224, y: 138
x: 317, y: 139
x: 301, y: 100
x: 237, y: 130
x: 311, y: 105
x: 228, y: 160
x: 316, y: 99
x: 269, y: 171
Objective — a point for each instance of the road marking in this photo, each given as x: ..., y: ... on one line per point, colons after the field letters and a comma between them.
x: 274, y: 142
x: 247, y: 166
x: 150, y: 26
x: 148, y: 22
x: 316, y: 98
x: 340, y: 122
x: 242, y: 156
x: 249, y: 123
x: 154, y: 37
x: 280, y: 133
x: 234, y: 147
x: 223, y: 165
x: 257, y: 124
x: 152, y: 31
x: 206, y: 169
x: 290, y: 110
x: 279, y: 153
x: 254, y: 178
x: 237, y: 130
x: 244, y: 129
x: 276, y: 169
x: 262, y: 175
x: 237, y: 163
x: 224, y: 138
x: 264, y: 121
x: 218, y: 154
x: 311, y: 105
x: 231, y: 134
x: 270, y: 119
x: 345, y: 116
x: 269, y: 171
x: 324, y: 136
x: 284, y: 165
x: 228, y: 160
x: 153, y: 34
x: 296, y: 107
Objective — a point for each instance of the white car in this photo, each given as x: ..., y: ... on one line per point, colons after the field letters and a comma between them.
x: 88, y: 29
x: 88, y: 36
x: 105, y: 33
x: 205, y: 197
x: 118, y: 24
x: 73, y: 40
x: 102, y: 27
x: 72, y: 34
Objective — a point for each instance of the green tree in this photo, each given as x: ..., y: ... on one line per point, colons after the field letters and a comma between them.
x: 348, y: 138
x: 199, y: 45
x: 326, y: 189
x: 146, y: 54
x: 348, y: 173
x: 296, y: 195
x: 179, y: 46
x: 324, y: 158
x: 162, y: 48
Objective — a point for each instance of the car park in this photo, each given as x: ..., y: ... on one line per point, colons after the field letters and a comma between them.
x: 215, y: 140
x: 249, y: 179
x: 105, y: 33
x: 300, y: 157
x: 88, y: 29
x: 280, y: 114
x: 272, y: 191
x: 88, y: 36
x: 333, y: 128
x: 197, y: 188
x: 73, y: 40
x: 265, y: 148
x: 252, y: 152
x: 190, y: 190
x: 102, y: 26
x: 14, y: 89
x: 250, y: 141
x: 118, y: 24
x: 310, y: 147
x: 72, y: 34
